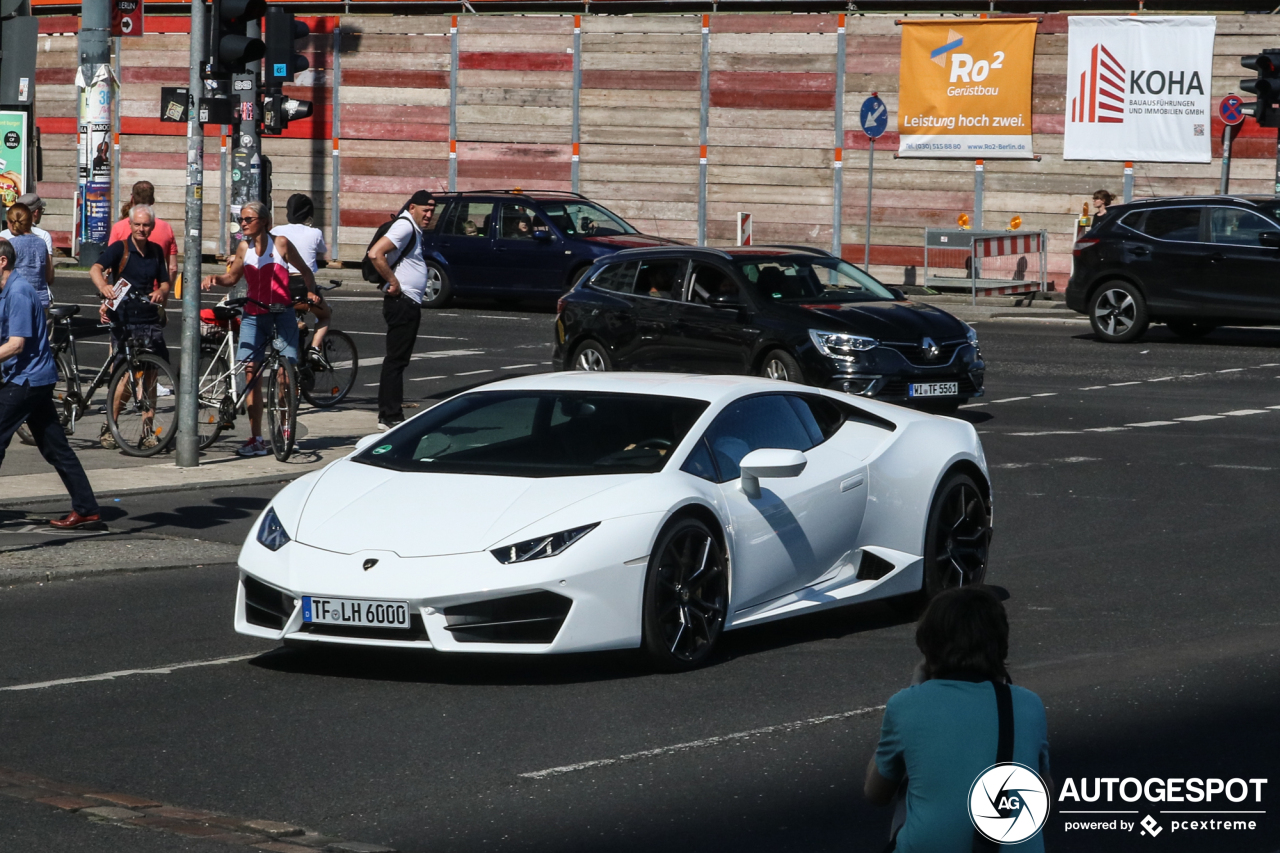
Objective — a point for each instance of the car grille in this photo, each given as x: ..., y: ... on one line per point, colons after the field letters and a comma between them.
x: 896, y: 386
x: 266, y: 606
x: 534, y: 617
x: 916, y: 355
x: 416, y: 632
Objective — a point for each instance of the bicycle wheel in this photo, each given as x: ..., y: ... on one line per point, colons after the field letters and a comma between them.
x: 65, y: 392
x: 280, y: 398
x: 215, y: 388
x: 148, y: 417
x: 334, y: 373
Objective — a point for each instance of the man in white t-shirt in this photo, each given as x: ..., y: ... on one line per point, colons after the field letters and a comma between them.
x: 309, y: 241
x: 397, y: 256
x: 36, y: 204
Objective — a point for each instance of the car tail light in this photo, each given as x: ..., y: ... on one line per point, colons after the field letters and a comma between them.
x: 559, y: 306
x: 1081, y: 245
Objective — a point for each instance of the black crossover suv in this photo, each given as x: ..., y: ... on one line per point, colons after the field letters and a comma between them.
x: 787, y: 312
x: 1192, y: 263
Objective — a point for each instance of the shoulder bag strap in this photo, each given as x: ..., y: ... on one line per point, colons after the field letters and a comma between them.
x: 124, y: 257
x: 411, y: 245
x: 1004, y: 751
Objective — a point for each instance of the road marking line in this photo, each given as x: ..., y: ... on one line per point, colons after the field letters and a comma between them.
x: 121, y: 673
x: 1106, y: 429
x: 440, y: 353
x: 518, y: 366
x: 1010, y: 399
x: 1161, y: 379
x: 1197, y: 418
x: 1094, y: 388
x: 424, y: 378
x: 1273, y: 407
x: 474, y: 372
x: 1238, y: 412
x: 1230, y: 370
x: 1120, y: 384
x: 1269, y: 365
x: 421, y: 337
x: 1191, y: 375
x: 1243, y: 467
x: 1050, y: 432
x: 501, y: 317
x: 1153, y: 423
x: 977, y: 405
x: 700, y: 744
x: 1047, y: 394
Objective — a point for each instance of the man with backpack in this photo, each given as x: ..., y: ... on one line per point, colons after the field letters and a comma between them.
x: 398, y: 265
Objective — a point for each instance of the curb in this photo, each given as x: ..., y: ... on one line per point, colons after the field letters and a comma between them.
x: 7, y: 502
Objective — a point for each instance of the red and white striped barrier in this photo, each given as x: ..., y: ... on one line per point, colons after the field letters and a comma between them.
x: 994, y: 247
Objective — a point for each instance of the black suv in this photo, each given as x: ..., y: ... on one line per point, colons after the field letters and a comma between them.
x: 1192, y: 263
x: 514, y: 243
x: 787, y: 312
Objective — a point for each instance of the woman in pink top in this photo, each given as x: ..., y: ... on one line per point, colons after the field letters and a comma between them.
x: 144, y: 192
x: 262, y: 260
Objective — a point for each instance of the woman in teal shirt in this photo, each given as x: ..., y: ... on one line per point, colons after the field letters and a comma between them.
x: 941, y: 733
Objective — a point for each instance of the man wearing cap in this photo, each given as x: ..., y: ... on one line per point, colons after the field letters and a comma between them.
x: 36, y: 204
x: 405, y: 275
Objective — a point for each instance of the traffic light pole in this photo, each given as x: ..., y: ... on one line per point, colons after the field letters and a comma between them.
x: 188, y: 452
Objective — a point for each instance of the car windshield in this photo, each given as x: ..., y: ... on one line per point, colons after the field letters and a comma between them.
x: 584, y: 219
x: 804, y: 279
x: 539, y: 434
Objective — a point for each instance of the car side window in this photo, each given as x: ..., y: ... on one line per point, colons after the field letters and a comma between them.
x: 753, y: 423
x: 709, y: 284
x: 821, y: 418
x: 472, y: 219
x: 699, y: 463
x: 661, y: 279
x: 1236, y: 227
x: 519, y: 222
x: 1173, y: 223
x: 617, y: 278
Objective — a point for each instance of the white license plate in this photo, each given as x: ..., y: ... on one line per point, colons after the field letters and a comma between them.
x: 935, y: 389
x: 354, y: 611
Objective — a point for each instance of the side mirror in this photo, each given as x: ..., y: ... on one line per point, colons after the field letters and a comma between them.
x: 769, y: 462
x: 367, y: 441
x: 1270, y: 239
x: 898, y: 294
x: 542, y: 234
x: 724, y: 300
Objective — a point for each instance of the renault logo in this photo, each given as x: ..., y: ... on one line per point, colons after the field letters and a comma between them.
x: 930, y: 349
x: 369, y: 564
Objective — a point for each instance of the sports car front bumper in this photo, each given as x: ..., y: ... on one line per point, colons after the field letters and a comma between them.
x: 587, y: 598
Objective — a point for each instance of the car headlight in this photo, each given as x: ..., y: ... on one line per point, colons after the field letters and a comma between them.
x: 543, y: 546
x: 971, y: 334
x: 271, y: 533
x: 840, y: 344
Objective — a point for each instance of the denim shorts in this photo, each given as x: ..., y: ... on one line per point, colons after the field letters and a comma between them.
x: 257, y: 331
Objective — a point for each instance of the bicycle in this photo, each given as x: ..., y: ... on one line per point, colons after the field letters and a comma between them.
x: 325, y: 379
x: 222, y: 392
x: 140, y: 383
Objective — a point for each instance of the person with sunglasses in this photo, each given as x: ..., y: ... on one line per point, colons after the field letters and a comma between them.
x: 263, y: 261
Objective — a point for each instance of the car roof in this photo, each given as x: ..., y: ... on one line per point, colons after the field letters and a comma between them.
x: 1249, y: 200
x: 517, y: 192
x: 728, y: 253
x: 711, y: 388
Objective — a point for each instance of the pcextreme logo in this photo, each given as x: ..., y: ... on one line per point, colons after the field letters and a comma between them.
x: 1008, y: 803
x: 1102, y: 92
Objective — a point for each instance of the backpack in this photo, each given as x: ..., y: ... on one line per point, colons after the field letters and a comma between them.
x: 367, y: 270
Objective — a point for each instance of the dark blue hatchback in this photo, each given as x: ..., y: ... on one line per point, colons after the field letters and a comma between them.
x: 519, y: 244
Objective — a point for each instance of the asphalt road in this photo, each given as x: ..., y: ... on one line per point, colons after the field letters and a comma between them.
x: 1134, y: 534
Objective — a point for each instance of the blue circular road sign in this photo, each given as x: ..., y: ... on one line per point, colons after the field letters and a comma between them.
x: 1229, y: 109
x: 874, y: 117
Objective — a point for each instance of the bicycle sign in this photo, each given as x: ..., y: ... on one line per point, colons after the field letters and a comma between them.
x: 1230, y: 110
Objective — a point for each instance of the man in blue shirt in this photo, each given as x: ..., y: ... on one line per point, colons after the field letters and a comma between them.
x: 27, y: 377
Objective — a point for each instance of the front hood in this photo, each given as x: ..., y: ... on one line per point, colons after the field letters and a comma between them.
x: 899, y: 322
x: 356, y: 507
x: 618, y: 242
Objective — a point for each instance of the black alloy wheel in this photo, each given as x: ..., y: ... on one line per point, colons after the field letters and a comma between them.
x: 1189, y: 329
x: 591, y: 356
x: 686, y: 597
x: 1118, y: 313
x: 958, y: 536
x: 779, y: 364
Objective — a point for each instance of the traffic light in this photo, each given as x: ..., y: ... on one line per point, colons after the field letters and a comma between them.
x: 231, y: 49
x: 278, y: 111
x: 282, y: 60
x: 1266, y: 110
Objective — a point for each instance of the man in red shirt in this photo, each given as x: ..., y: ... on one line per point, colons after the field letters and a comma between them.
x: 144, y: 192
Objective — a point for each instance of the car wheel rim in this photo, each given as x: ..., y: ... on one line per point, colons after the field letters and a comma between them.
x: 963, y: 538
x: 1116, y: 312
x: 434, y: 283
x: 775, y: 369
x: 591, y: 359
x: 691, y: 594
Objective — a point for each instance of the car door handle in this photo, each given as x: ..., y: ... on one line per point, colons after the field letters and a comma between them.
x: 853, y: 482
x: 1216, y: 256
x: 1139, y: 250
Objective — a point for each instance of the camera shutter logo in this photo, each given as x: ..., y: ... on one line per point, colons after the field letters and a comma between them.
x: 1008, y: 803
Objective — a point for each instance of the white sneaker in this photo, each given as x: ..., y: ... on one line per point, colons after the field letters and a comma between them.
x: 162, y: 391
x: 253, y: 447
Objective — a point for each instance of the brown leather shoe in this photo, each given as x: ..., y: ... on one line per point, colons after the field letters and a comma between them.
x: 76, y: 520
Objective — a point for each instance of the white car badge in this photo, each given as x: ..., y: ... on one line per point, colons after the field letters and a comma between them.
x: 370, y: 563
x: 930, y: 349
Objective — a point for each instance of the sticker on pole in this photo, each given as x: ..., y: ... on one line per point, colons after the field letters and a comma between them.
x: 1230, y: 110
x: 874, y: 117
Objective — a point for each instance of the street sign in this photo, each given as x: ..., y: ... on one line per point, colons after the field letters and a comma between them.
x: 874, y: 116
x: 126, y: 18
x: 1230, y: 110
